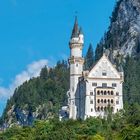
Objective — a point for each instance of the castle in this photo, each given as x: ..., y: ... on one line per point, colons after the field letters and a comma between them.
x: 92, y: 92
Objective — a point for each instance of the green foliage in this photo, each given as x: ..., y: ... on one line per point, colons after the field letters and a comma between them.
x: 47, y: 91
x: 89, y: 58
x: 131, y: 81
x: 115, y: 11
x: 44, y: 73
x: 120, y: 128
x: 98, y: 52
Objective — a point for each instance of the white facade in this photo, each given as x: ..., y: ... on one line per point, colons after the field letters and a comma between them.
x: 91, y: 93
x: 76, y: 68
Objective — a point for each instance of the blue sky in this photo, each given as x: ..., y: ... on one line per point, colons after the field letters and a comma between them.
x: 34, y: 30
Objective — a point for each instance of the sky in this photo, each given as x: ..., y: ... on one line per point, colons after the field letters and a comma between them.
x: 35, y: 33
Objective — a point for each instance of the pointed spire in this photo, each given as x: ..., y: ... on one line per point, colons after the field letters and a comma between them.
x: 75, y: 31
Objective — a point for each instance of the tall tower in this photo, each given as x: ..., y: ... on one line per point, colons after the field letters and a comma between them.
x: 76, y: 67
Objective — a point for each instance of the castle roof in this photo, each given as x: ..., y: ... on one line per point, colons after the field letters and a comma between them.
x: 104, y: 64
x: 75, y: 31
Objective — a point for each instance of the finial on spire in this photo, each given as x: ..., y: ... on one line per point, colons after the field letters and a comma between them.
x: 75, y: 31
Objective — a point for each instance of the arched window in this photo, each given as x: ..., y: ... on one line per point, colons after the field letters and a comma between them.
x: 108, y: 92
x: 101, y: 100
x: 104, y: 92
x: 112, y: 93
x: 101, y: 92
x: 98, y: 92
x: 101, y: 108
x: 108, y: 101
x: 98, y: 101
x: 98, y: 109
x: 105, y: 101
x: 112, y: 101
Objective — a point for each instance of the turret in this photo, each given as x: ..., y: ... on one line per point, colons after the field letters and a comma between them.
x: 76, y: 41
x: 76, y: 67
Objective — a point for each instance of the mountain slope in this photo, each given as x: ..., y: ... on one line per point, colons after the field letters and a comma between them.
x: 122, y: 44
x: 39, y: 98
x: 123, y: 35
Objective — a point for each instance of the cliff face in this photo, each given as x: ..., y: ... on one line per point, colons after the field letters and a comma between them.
x: 123, y: 36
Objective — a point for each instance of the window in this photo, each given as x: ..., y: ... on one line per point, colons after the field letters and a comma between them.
x: 104, y: 73
x: 98, y: 108
x: 108, y: 101
x: 91, y: 101
x: 101, y: 92
x: 76, y: 65
x: 101, y: 108
x: 91, y: 109
x: 104, y: 85
x: 117, y: 102
x: 114, y: 84
x: 98, y: 92
x: 117, y: 93
x: 98, y: 100
x: 108, y: 92
x: 101, y: 100
x: 112, y: 101
x: 94, y: 84
x: 112, y: 93
x: 91, y: 93
x: 104, y: 92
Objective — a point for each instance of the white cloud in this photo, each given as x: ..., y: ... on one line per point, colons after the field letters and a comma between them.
x: 32, y: 70
x: 4, y: 92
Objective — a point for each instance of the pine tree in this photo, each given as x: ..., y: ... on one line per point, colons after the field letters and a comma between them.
x: 44, y: 73
x: 89, y: 59
x: 98, y: 52
x: 131, y: 83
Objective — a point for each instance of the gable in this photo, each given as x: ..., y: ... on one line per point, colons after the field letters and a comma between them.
x: 104, y: 69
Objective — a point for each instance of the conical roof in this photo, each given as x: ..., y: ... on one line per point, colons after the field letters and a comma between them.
x: 75, y: 31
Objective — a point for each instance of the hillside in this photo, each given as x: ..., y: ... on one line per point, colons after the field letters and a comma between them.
x: 39, y: 98
x: 42, y: 97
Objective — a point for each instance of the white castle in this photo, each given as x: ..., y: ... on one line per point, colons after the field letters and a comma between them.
x: 92, y: 92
